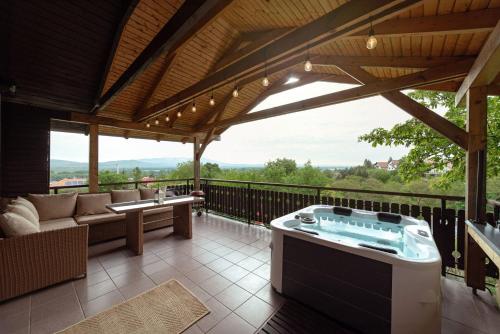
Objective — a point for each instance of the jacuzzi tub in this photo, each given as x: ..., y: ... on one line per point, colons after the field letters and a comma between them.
x: 378, y: 273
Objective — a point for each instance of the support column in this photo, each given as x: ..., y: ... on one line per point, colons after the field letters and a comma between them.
x: 475, y: 192
x: 93, y: 158
x: 196, y: 163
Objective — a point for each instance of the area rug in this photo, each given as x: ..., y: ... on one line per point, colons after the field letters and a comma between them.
x: 167, y: 308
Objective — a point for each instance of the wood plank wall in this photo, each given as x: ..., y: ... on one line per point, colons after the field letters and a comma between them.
x: 25, y: 149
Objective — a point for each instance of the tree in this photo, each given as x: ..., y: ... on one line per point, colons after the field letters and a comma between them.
x: 137, y: 174
x: 106, y: 177
x: 184, y: 170
x: 367, y: 164
x: 430, y: 150
x: 210, y: 170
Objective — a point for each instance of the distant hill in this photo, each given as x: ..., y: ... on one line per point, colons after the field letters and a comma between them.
x: 145, y: 164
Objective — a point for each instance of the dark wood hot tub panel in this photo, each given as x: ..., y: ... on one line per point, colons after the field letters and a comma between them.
x: 349, y: 288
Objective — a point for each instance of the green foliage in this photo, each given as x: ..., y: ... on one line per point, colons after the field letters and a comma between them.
x: 107, y: 176
x: 184, y: 170
x: 431, y: 151
x: 210, y: 170
x: 136, y: 174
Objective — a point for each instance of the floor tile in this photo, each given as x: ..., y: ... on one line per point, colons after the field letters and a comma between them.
x: 215, y: 284
x: 200, y: 274
x: 219, y: 265
x: 231, y: 324
x: 263, y: 271
x: 217, y: 313
x: 15, y: 323
x: 55, y: 315
x: 155, y: 267
x: 87, y: 293
x: 270, y: 296
x: 102, y: 303
x: 128, y: 278
x: 221, y: 251
x: 47, y: 294
x: 255, y: 311
x: 250, y: 263
x: 164, y: 275
x: 15, y: 306
x: 136, y: 288
x: 206, y: 258
x: 252, y: 283
x: 233, y: 296
x: 234, y: 273
x: 235, y: 256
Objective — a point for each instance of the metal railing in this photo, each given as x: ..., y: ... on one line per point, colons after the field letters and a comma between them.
x: 260, y: 202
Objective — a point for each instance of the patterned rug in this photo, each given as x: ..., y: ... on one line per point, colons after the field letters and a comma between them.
x: 168, y: 308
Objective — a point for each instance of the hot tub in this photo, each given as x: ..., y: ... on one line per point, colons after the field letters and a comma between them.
x: 375, y: 272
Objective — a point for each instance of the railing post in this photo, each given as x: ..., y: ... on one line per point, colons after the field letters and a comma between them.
x: 318, y: 196
x: 136, y: 185
x: 187, y: 186
x: 56, y: 191
x: 207, y: 191
x: 248, y: 203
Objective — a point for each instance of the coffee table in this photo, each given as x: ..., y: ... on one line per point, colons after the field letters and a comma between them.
x: 134, y: 217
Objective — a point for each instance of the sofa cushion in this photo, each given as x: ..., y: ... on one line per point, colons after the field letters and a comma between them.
x: 120, y: 196
x: 99, y: 218
x: 147, y: 193
x: 54, y: 206
x: 28, y: 204
x: 91, y: 204
x: 57, y: 224
x: 23, y: 211
x: 14, y: 225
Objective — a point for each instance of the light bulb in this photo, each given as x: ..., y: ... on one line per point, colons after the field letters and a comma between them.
x: 179, y: 114
x: 235, y: 92
x: 265, y: 81
x: 371, y: 43
x: 308, y: 66
x: 212, y: 101
x: 193, y: 107
x: 148, y: 125
x: 157, y: 122
x: 167, y: 119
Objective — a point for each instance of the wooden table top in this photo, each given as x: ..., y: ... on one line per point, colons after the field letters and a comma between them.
x: 151, y: 204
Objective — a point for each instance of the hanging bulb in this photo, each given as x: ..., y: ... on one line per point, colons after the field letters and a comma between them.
x: 212, y: 100
x: 193, y: 107
x: 179, y: 114
x: 157, y: 121
x: 308, y: 66
x: 167, y: 119
x: 265, y: 81
x: 235, y: 91
x: 371, y: 43
x: 148, y: 125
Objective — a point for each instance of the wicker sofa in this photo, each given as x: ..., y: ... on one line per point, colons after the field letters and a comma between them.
x: 68, y: 223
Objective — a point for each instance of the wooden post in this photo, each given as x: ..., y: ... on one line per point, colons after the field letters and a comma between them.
x: 475, y: 193
x: 196, y: 163
x: 93, y: 158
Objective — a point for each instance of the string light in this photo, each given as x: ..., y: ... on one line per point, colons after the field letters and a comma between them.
x: 371, y: 43
x: 148, y: 125
x: 235, y: 91
x: 265, y: 80
x: 167, y: 119
x: 212, y: 100
x: 308, y: 66
x: 179, y: 114
x: 193, y: 107
x: 157, y: 121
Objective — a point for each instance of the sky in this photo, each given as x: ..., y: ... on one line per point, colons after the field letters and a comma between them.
x: 326, y: 136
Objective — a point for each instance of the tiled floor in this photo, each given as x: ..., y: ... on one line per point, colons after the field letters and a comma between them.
x: 226, y: 265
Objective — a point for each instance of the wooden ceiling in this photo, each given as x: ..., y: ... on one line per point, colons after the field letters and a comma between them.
x: 421, y: 35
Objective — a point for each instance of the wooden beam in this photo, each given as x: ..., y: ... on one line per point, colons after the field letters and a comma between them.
x: 258, y: 42
x: 346, y: 19
x: 111, y: 122
x: 214, y: 111
x: 167, y: 66
x: 415, y: 109
x: 186, y: 22
x: 456, y: 23
x: 174, y: 115
x: 475, y: 176
x: 381, y: 61
x: 485, y: 68
x: 433, y: 75
x: 116, y: 41
x: 94, y: 158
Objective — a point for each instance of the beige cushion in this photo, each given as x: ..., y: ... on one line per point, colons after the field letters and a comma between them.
x: 57, y: 224
x: 23, y: 211
x: 92, y: 204
x: 14, y: 225
x: 99, y: 218
x: 120, y: 196
x: 147, y: 193
x: 28, y: 204
x: 54, y: 206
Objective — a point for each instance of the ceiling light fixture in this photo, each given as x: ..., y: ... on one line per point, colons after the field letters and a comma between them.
x: 193, y: 107
x: 371, y: 43
x: 157, y: 121
x: 235, y: 91
x: 212, y: 100
x: 148, y: 125
x: 167, y: 119
x: 179, y: 114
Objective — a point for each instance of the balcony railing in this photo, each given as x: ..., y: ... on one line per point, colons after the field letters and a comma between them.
x: 261, y: 202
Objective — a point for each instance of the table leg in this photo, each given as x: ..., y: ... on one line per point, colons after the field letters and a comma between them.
x: 135, y: 232
x: 183, y: 220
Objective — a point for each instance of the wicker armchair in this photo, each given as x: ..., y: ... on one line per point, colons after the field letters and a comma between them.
x: 35, y: 261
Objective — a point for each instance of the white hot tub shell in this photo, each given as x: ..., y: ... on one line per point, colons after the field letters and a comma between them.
x: 325, y: 266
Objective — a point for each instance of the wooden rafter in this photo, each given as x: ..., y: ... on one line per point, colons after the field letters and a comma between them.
x: 111, y: 122
x: 216, y: 110
x: 186, y: 22
x: 415, y: 109
x: 116, y: 41
x: 456, y: 23
x: 381, y: 61
x: 218, y: 115
x: 174, y: 115
x: 167, y: 66
x: 346, y: 19
x: 486, y: 67
x: 433, y: 75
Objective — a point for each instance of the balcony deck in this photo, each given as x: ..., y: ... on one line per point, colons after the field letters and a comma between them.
x: 226, y: 265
